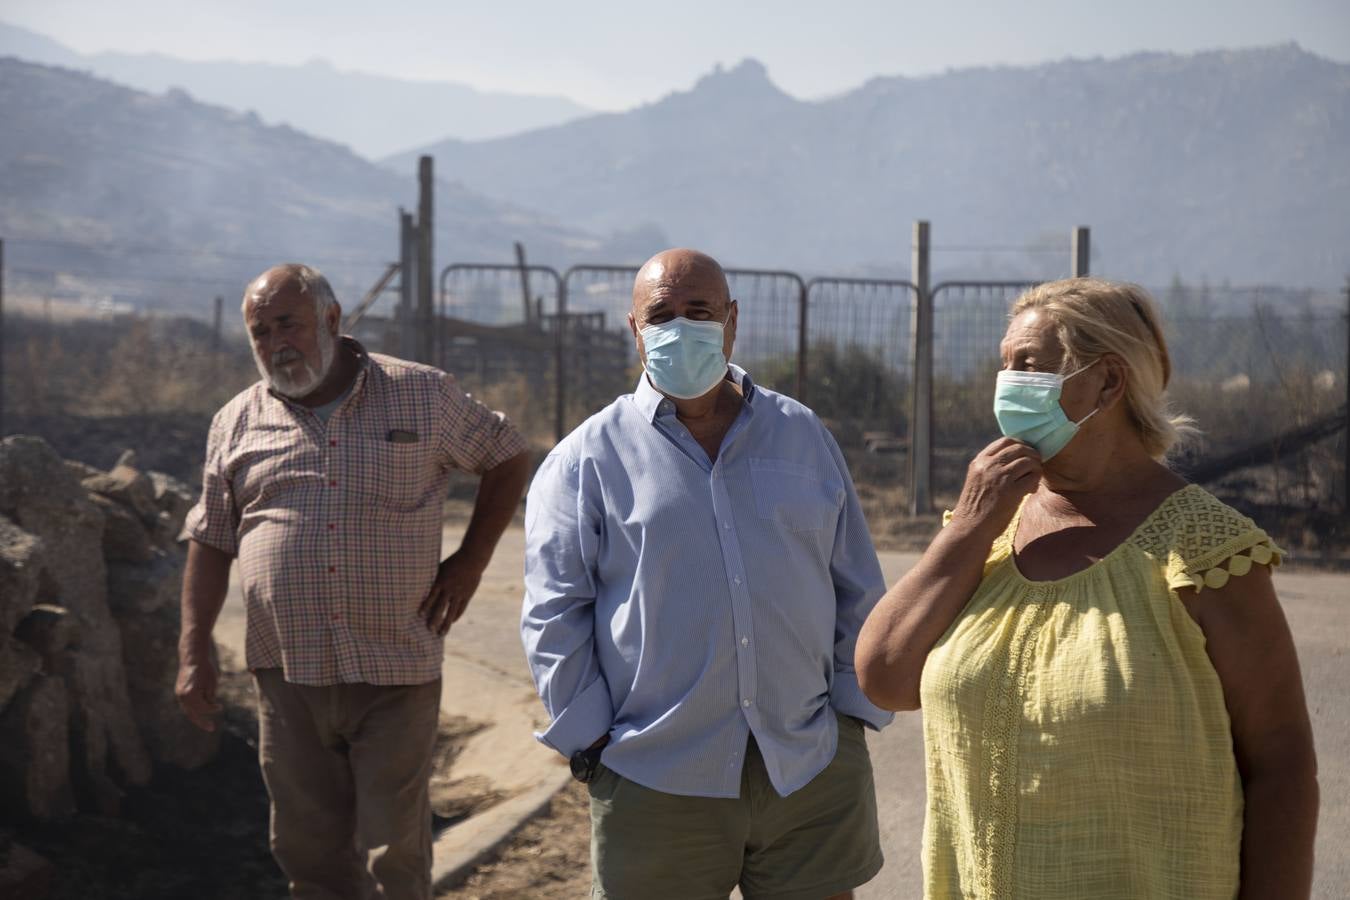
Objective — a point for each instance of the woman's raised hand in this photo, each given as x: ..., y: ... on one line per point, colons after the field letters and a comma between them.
x: 997, y: 479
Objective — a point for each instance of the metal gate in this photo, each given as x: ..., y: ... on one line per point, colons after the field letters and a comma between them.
x: 969, y: 318
x: 497, y: 331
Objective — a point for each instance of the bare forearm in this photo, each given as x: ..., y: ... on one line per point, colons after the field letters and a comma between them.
x: 499, y: 494
x: 1279, y: 823
x: 915, y: 612
x: 206, y: 581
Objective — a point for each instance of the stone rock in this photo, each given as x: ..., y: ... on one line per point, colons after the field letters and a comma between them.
x: 50, y: 631
x: 173, y: 497
x: 39, y: 493
x: 18, y: 664
x: 152, y: 668
x: 125, y: 536
x: 81, y: 471
x: 23, y: 873
x: 138, y: 588
x: 20, y: 553
x: 35, y: 751
x: 128, y: 486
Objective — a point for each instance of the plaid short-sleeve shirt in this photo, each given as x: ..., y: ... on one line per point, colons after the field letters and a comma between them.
x: 337, y: 527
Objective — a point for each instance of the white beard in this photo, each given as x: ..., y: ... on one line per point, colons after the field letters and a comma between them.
x: 310, y: 378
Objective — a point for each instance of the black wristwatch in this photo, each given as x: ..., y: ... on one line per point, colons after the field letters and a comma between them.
x: 585, y: 762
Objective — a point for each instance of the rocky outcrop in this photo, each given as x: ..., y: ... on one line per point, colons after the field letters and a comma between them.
x: 90, y: 570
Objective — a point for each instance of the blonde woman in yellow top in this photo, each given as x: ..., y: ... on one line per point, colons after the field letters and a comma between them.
x: 1112, y: 702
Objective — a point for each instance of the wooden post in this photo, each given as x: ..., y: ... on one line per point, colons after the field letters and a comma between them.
x: 426, y: 312
x: 524, y: 280
x: 803, y: 345
x: 921, y: 358
x: 560, y: 365
x: 407, y: 274
x: 2, y: 337
x: 1080, y: 250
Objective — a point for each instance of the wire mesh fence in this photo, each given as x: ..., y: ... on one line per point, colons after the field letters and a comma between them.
x: 969, y: 318
x: 497, y: 332
x: 1260, y: 369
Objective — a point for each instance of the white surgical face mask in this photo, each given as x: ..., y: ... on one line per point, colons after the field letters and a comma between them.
x: 684, y: 357
x: 1026, y: 405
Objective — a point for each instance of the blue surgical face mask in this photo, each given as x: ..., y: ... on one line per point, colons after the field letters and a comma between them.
x: 1026, y: 405
x: 684, y: 357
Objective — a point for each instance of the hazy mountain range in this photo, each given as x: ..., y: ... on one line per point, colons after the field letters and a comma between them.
x: 166, y: 201
x: 1230, y: 165
x: 1221, y: 165
x: 373, y: 115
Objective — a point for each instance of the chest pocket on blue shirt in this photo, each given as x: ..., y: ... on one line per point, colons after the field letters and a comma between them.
x: 793, y: 494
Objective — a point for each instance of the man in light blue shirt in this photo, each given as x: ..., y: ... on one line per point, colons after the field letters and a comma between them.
x: 697, y: 570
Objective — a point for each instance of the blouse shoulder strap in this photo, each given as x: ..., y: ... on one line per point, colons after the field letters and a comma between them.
x: 1202, y: 541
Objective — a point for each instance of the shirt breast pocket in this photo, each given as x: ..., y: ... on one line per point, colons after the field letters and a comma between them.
x: 794, y: 495
x: 402, y: 473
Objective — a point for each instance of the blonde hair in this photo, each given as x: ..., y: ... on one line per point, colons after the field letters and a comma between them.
x: 1093, y: 317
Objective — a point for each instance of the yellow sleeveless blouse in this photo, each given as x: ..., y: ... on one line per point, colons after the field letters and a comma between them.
x: 1075, y: 735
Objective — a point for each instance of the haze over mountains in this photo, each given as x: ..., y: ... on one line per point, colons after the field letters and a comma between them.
x: 166, y: 201
x: 1221, y: 165
x: 373, y: 115
x: 1230, y: 165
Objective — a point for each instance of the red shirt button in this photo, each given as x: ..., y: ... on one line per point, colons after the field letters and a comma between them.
x: 332, y: 443
x: 332, y: 484
x: 331, y: 526
x: 332, y: 568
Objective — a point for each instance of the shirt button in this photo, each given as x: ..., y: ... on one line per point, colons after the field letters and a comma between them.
x: 737, y: 579
x: 745, y: 642
x: 746, y: 703
x: 726, y: 526
x: 332, y: 443
x: 332, y: 568
x: 332, y: 484
x: 332, y: 526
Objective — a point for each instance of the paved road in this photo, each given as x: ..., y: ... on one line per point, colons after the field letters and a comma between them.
x: 486, y: 641
x: 1318, y: 608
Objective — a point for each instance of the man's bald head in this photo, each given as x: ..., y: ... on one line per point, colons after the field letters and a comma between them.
x: 682, y: 283
x: 292, y: 319
x: 676, y: 281
x: 291, y: 278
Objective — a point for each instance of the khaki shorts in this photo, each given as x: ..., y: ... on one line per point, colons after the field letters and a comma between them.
x: 816, y: 842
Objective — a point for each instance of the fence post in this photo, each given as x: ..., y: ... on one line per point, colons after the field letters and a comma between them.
x: 1080, y: 250
x: 407, y: 251
x: 921, y: 402
x: 560, y: 363
x: 524, y: 280
x: 426, y: 314
x: 2, y: 337
x: 802, y: 342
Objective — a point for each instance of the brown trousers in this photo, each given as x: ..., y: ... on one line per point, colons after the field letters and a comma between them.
x: 347, y: 767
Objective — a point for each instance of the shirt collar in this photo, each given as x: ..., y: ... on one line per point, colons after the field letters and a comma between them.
x: 652, y: 403
x: 362, y: 363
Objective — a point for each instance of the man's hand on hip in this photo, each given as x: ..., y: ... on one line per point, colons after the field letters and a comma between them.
x: 456, y: 580
x: 196, y: 689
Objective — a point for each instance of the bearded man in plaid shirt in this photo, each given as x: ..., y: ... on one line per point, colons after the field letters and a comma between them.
x: 325, y: 480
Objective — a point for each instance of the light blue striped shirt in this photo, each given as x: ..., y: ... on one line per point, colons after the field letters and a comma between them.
x: 679, y: 605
